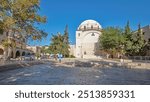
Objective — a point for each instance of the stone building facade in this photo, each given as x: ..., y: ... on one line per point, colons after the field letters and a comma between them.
x: 20, y: 45
x: 35, y: 49
x: 146, y: 33
x: 87, y: 36
x: 72, y: 50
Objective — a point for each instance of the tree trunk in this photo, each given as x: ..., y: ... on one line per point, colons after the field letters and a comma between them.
x: 9, y: 53
x: 5, y: 54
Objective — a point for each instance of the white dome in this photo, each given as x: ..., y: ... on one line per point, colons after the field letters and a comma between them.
x: 89, y: 25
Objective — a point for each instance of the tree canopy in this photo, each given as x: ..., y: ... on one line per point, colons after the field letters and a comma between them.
x: 60, y: 43
x: 139, y: 43
x: 128, y: 36
x: 66, y: 42
x: 114, y: 39
x: 111, y: 39
x: 21, y: 16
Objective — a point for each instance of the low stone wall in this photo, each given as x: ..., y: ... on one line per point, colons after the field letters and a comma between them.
x: 139, y: 65
x: 106, y: 64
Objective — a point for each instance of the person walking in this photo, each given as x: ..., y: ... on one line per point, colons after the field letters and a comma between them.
x: 60, y: 57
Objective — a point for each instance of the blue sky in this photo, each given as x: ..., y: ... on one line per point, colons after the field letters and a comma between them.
x: 106, y: 12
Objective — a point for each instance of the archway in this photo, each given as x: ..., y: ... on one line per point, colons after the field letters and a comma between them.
x: 1, y: 51
x: 23, y: 53
x: 17, y: 54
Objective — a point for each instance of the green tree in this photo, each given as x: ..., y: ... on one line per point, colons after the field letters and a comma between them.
x: 112, y: 40
x: 128, y: 39
x: 60, y: 43
x: 66, y: 42
x: 138, y: 43
x: 45, y: 50
x: 21, y: 16
x: 57, y: 43
x: 127, y: 42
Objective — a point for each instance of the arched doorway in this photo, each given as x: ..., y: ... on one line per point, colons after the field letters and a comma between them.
x: 17, y: 54
x: 23, y: 53
x: 1, y: 51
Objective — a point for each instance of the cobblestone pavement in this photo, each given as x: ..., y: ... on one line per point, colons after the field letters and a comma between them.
x: 49, y: 74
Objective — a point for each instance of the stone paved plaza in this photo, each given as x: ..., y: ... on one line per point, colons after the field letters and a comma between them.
x: 53, y: 74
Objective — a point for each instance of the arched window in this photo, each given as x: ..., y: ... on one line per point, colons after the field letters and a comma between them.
x: 149, y: 40
x: 93, y: 34
x: 1, y: 51
x: 78, y: 34
x: 84, y: 52
x: 17, y: 54
x: 92, y: 27
x: 84, y: 27
x: 23, y: 53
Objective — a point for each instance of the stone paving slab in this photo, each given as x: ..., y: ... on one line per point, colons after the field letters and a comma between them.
x: 56, y: 74
x: 77, y: 63
x: 19, y: 65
